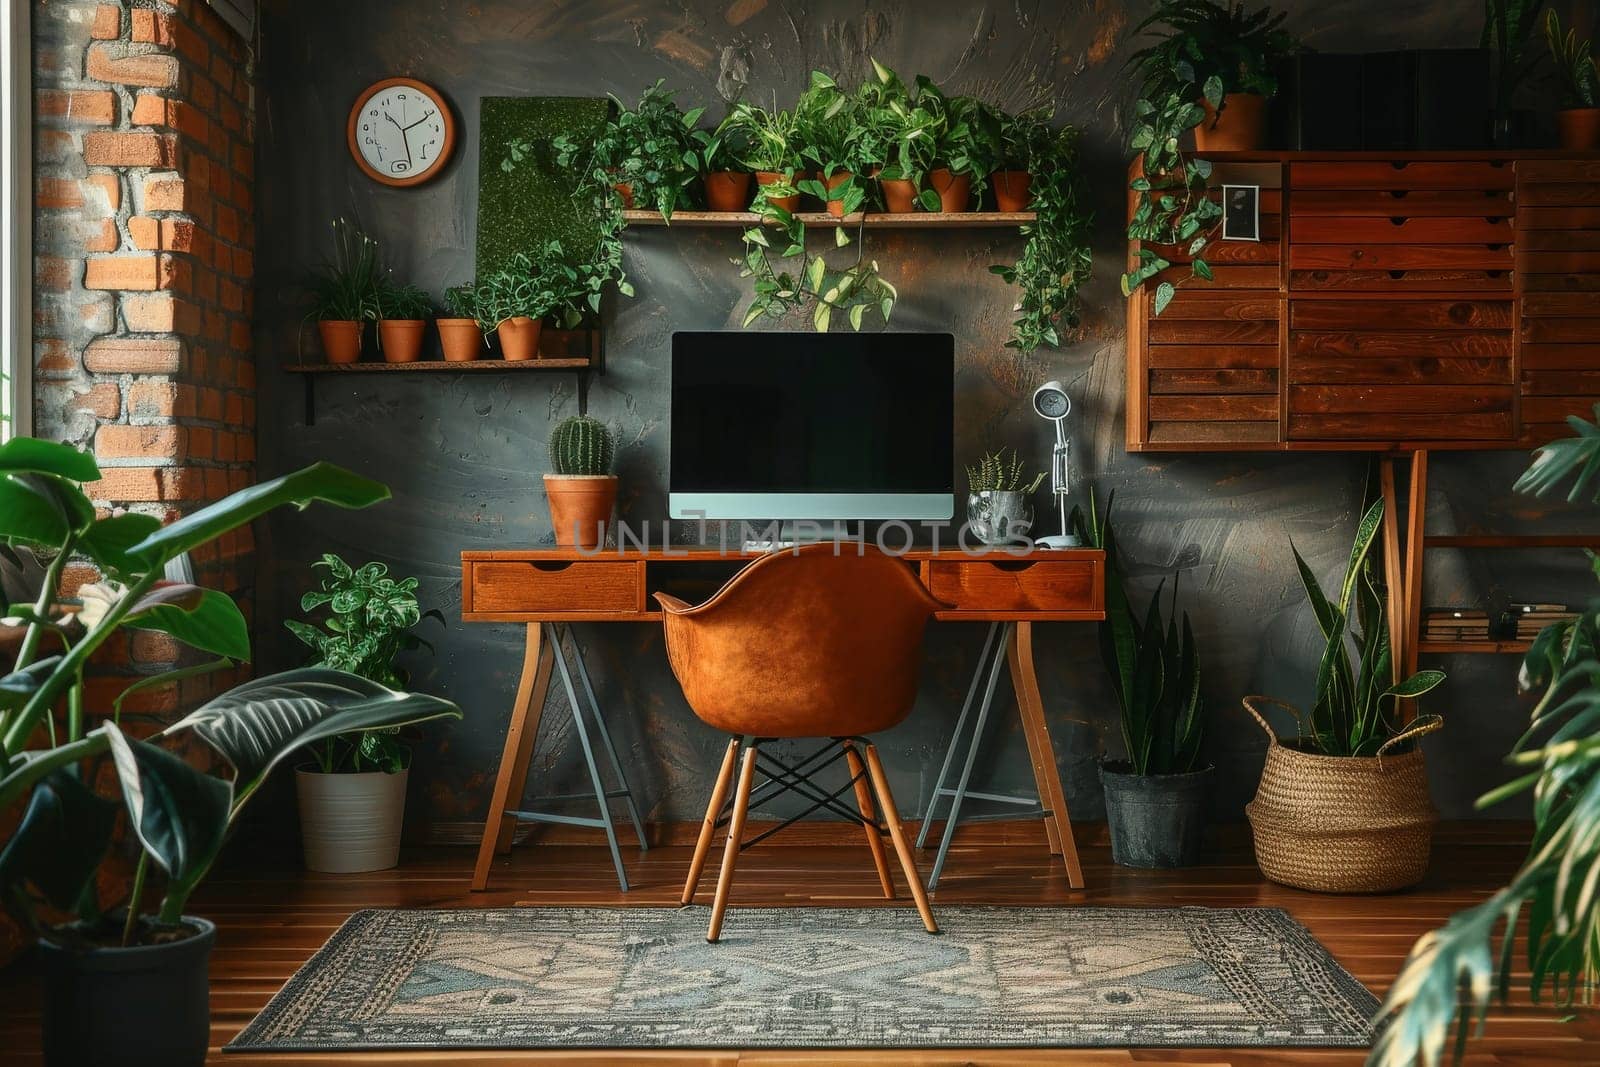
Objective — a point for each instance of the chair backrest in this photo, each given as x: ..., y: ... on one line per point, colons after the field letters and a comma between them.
x: 820, y: 642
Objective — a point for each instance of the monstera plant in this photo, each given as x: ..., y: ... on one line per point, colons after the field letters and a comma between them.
x: 177, y: 815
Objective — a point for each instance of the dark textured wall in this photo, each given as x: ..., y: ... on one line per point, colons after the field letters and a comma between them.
x: 464, y: 453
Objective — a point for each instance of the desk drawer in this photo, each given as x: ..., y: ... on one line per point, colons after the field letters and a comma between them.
x: 556, y: 586
x: 1002, y: 585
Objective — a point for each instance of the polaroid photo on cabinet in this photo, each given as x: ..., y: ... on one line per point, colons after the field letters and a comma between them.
x: 1241, y: 212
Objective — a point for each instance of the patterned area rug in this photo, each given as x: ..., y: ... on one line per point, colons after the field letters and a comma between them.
x: 813, y: 977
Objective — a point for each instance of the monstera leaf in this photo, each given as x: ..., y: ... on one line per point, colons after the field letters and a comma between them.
x: 62, y: 838
x: 257, y: 724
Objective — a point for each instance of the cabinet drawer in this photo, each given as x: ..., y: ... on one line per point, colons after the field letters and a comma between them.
x: 555, y: 587
x: 1003, y: 585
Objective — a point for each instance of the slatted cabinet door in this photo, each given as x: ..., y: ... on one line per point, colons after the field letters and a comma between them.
x: 1558, y: 273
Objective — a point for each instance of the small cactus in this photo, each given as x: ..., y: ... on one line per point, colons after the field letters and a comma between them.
x: 581, y: 444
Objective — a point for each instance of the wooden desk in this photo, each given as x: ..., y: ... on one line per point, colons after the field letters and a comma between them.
x: 547, y: 588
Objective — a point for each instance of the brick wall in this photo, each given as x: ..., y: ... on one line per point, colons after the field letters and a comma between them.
x: 144, y: 164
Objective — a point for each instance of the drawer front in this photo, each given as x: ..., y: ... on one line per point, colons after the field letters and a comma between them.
x: 982, y: 585
x: 554, y: 587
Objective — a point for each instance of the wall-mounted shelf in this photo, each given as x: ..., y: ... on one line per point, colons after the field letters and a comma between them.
x: 1479, y: 648
x: 915, y: 220
x: 568, y: 342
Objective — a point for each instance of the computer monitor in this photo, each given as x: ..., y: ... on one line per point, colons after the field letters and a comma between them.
x: 809, y: 426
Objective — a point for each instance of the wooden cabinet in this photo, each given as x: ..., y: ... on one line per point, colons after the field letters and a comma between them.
x: 1430, y: 299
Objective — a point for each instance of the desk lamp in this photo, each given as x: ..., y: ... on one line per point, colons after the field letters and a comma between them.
x: 1050, y: 400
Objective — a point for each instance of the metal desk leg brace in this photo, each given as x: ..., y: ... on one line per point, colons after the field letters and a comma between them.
x: 545, y: 650
x: 1005, y: 643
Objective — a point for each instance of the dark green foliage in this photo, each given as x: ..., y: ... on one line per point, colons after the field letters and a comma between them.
x: 531, y: 204
x: 1507, y: 28
x: 1456, y: 969
x: 1057, y: 259
x: 396, y: 301
x: 534, y: 285
x: 581, y: 444
x: 346, y: 286
x: 461, y: 301
x: 829, y: 134
x: 1575, y: 67
x: 1154, y: 665
x: 650, y: 148
x: 1205, y: 40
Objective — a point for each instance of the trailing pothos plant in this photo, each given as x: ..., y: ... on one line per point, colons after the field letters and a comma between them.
x: 829, y: 135
x: 1154, y: 666
x: 179, y: 815
x: 648, y: 148
x: 1056, y: 259
x: 1456, y: 969
x: 369, y: 623
x: 1354, y: 710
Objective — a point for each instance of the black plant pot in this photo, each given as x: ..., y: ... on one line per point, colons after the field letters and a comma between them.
x: 1157, y: 820
x: 145, y: 1006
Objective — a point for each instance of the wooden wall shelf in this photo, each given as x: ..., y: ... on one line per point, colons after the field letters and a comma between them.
x: 482, y: 366
x: 1512, y: 541
x: 916, y: 220
x: 1474, y: 648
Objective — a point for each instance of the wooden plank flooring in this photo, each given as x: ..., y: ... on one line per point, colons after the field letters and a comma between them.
x: 271, y: 917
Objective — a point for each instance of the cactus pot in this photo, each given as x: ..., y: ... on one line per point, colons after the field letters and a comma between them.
x: 341, y: 339
x: 519, y: 338
x: 401, y: 339
x: 351, y: 822
x: 462, y: 339
x: 580, y: 507
x: 140, y: 1006
x: 1156, y: 820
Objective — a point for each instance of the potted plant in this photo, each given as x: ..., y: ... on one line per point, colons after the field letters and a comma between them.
x: 1025, y: 139
x: 829, y: 135
x: 513, y: 301
x: 352, y: 798
x: 999, y: 511
x: 773, y: 138
x: 1156, y: 797
x: 116, y: 965
x: 645, y: 153
x: 582, y: 490
x: 344, y: 293
x: 966, y: 143
x: 895, y: 143
x: 403, y: 312
x: 459, y: 333
x: 1578, y: 119
x: 1223, y: 57
x: 724, y: 172
x: 1056, y: 258
x: 1343, y: 806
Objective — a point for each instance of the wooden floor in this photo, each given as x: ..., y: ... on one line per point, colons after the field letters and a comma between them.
x: 272, y: 918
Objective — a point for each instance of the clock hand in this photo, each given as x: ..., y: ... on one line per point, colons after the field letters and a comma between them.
x: 419, y: 122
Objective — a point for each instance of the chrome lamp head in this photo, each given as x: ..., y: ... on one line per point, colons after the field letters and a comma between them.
x: 1050, y: 401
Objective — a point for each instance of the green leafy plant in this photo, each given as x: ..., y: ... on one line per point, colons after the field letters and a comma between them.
x: 1354, y: 710
x: 1154, y: 666
x: 997, y: 473
x: 853, y: 290
x: 533, y: 286
x: 720, y: 149
x: 1456, y: 968
x: 369, y: 623
x: 1508, y: 26
x: 829, y: 135
x: 581, y: 444
x: 345, y: 288
x: 461, y: 301
x: 897, y: 138
x: 178, y: 814
x: 966, y: 138
x: 1576, y: 72
x: 1203, y: 41
x: 396, y: 301
x: 1056, y: 259
x: 650, y: 148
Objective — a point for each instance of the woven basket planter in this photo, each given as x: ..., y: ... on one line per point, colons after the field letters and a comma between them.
x: 1342, y: 824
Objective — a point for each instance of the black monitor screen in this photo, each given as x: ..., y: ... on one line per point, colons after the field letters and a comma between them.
x: 812, y: 413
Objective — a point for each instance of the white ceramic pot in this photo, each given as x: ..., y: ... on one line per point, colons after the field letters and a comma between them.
x: 351, y: 822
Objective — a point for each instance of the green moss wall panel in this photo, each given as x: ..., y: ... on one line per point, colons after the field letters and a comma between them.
x: 531, y: 204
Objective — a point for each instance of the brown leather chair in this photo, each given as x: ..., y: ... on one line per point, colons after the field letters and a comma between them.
x: 818, y: 642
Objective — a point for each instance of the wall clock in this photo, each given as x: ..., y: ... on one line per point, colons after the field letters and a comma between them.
x: 401, y: 131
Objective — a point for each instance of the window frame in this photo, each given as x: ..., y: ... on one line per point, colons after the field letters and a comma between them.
x: 16, y: 222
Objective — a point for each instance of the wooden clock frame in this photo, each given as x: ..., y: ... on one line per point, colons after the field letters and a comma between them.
x: 446, y: 114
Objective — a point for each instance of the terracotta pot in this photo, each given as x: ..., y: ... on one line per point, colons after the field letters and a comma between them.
x: 341, y: 339
x: 351, y: 822
x: 625, y: 190
x: 955, y: 190
x: 462, y: 339
x: 771, y: 177
x: 1011, y: 189
x: 1579, y: 128
x: 1240, y: 128
x: 836, y: 207
x: 727, y: 190
x: 580, y: 507
x: 519, y: 338
x: 899, y: 195
x: 401, y: 339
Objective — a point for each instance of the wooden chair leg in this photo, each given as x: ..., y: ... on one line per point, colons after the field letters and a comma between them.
x: 902, y: 847
x: 702, y: 847
x: 730, y: 854
x: 852, y: 759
